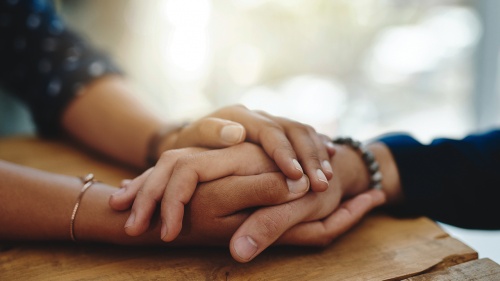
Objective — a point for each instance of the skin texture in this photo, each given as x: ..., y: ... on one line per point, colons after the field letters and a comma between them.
x: 119, y: 127
x: 36, y: 205
x: 314, y: 219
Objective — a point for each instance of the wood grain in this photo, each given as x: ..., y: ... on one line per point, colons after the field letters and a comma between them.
x: 476, y: 270
x: 380, y: 248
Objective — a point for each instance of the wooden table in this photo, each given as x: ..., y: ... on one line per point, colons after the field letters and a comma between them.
x: 380, y: 248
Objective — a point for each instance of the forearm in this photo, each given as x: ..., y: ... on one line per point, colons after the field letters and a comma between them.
x: 36, y: 205
x: 106, y: 117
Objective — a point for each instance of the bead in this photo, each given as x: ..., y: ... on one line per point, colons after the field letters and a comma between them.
x: 368, y: 158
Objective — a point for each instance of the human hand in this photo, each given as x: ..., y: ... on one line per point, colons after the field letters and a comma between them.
x: 288, y: 225
x: 219, y: 207
x: 295, y: 147
x: 174, y: 179
x: 289, y: 143
x: 314, y: 219
x: 346, y: 216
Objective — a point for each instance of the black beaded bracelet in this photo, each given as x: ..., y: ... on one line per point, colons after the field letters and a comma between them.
x: 368, y: 158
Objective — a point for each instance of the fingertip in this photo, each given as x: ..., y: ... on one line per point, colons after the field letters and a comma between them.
x: 170, y: 232
x: 299, y: 186
x: 292, y: 169
x: 327, y: 169
x: 379, y: 197
x: 130, y: 228
x: 330, y: 148
x: 117, y: 201
x: 233, y: 133
x: 297, y: 165
x: 171, y: 222
x: 320, y: 183
x: 244, y: 249
x: 125, y: 182
x: 164, y: 231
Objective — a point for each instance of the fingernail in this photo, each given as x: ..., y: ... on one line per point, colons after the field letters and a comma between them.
x: 326, y: 165
x: 330, y: 145
x: 321, y: 176
x: 125, y: 182
x: 297, y: 165
x: 131, y: 220
x: 245, y: 247
x: 119, y: 192
x: 298, y: 186
x: 232, y: 133
x: 164, y: 230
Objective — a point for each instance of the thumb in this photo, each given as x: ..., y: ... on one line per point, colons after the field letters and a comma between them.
x: 211, y: 132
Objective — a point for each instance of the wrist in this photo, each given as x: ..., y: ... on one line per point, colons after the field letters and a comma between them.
x: 97, y: 222
x: 391, y: 181
x: 357, y: 174
x: 351, y: 171
x: 164, y: 138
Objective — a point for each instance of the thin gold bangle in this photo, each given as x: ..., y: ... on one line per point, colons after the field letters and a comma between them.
x: 87, y: 181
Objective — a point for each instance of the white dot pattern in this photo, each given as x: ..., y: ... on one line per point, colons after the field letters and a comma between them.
x: 42, y: 62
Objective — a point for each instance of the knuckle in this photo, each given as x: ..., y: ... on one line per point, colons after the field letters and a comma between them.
x: 309, y: 128
x: 173, y: 154
x: 270, y: 127
x: 233, y: 108
x: 184, y: 161
x: 271, y: 190
x: 312, y: 155
x: 169, y: 154
x: 145, y: 196
x: 273, y: 224
x: 240, y: 106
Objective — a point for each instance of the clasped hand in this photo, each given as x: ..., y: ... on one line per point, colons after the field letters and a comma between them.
x: 246, y: 193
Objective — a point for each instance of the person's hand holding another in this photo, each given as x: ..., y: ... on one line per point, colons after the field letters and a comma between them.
x: 175, y: 177
x: 295, y: 147
x: 317, y: 218
x: 175, y: 180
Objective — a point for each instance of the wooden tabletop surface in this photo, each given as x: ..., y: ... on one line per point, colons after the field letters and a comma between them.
x: 380, y: 248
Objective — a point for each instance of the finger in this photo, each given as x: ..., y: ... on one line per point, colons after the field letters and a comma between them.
x: 309, y: 148
x: 152, y: 189
x: 125, y: 182
x: 261, y: 229
x: 321, y: 233
x: 123, y: 198
x: 243, y: 159
x: 211, y: 132
x: 267, y: 224
x: 270, y: 135
x: 323, y: 154
x: 327, y: 141
x: 236, y: 193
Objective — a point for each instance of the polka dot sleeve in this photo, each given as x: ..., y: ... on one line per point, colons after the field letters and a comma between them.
x: 42, y: 62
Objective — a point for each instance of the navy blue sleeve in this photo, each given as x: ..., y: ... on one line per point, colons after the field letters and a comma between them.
x: 42, y: 62
x: 452, y: 181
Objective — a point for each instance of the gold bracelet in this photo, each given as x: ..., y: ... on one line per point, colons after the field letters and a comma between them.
x: 87, y: 181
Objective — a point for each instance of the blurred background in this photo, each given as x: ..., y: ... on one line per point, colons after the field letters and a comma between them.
x: 347, y: 67
x: 357, y: 68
